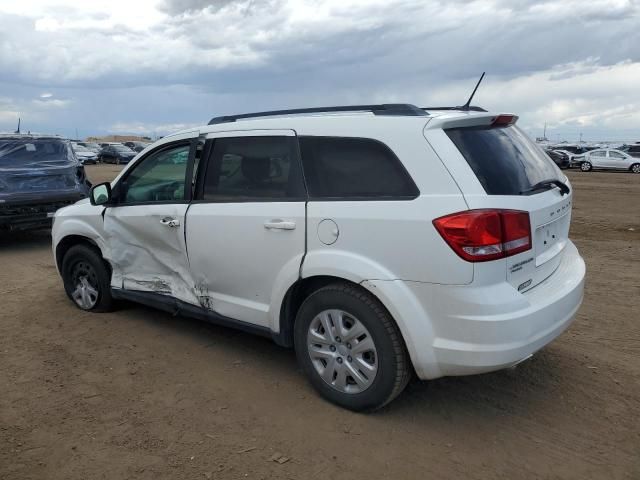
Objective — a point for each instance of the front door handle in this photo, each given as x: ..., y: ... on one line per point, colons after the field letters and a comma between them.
x: 170, y: 222
x: 279, y: 225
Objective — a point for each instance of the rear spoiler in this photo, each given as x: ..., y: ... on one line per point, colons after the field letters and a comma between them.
x: 472, y: 119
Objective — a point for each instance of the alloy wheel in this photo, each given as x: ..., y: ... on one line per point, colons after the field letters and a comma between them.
x: 342, y: 351
x: 85, y: 281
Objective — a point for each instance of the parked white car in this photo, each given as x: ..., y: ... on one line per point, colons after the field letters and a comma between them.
x: 609, y: 159
x: 376, y: 240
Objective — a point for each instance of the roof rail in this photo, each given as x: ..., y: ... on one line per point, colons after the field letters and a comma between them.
x: 392, y: 109
x: 472, y: 108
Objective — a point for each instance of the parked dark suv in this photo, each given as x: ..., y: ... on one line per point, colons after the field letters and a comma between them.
x: 561, y: 159
x: 634, y: 150
x: 38, y: 175
x: 116, y: 153
x: 136, y: 146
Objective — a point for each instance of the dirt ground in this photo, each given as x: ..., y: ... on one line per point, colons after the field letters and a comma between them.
x: 141, y: 394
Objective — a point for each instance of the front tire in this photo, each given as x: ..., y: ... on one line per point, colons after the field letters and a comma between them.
x: 87, y: 280
x: 586, y: 166
x: 350, y: 348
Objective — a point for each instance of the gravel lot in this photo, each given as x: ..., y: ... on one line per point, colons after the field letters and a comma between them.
x: 141, y: 394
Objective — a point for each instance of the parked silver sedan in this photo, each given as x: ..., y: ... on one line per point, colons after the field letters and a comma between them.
x: 609, y: 159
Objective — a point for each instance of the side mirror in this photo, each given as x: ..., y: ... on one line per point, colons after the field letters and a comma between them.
x: 100, y: 194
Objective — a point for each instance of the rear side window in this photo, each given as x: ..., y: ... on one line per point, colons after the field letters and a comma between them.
x: 354, y: 168
x: 505, y: 160
x: 253, y: 168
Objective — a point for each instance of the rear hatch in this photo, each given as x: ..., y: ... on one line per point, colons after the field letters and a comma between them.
x: 38, y: 167
x: 515, y: 174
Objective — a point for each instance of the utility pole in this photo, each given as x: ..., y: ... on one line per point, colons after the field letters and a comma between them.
x: 580, y: 137
x: 77, y: 138
x: 544, y: 132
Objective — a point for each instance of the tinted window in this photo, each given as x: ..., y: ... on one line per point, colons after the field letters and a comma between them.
x: 505, y: 160
x: 159, y: 178
x: 253, y: 168
x: 353, y: 168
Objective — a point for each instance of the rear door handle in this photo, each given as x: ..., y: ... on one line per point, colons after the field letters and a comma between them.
x: 279, y: 225
x: 170, y: 222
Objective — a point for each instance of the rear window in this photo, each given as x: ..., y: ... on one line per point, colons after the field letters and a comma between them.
x: 505, y: 160
x: 35, y: 152
x: 354, y: 168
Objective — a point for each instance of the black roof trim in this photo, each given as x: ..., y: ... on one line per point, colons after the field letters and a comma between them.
x: 472, y: 108
x: 392, y: 109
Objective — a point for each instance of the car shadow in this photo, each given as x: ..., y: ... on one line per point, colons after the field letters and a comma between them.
x: 520, y: 390
x: 17, y: 241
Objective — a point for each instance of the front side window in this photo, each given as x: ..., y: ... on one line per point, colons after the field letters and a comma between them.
x: 599, y: 153
x: 356, y: 168
x: 160, y: 177
x: 253, y: 168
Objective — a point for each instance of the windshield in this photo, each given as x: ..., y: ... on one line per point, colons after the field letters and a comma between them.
x: 35, y: 152
x: 505, y: 160
x: 79, y: 148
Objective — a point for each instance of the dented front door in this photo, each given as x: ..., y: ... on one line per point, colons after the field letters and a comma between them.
x: 145, y: 228
x: 147, y: 249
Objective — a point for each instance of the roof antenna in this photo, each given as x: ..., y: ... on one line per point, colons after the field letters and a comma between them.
x: 18, y: 130
x: 466, y: 106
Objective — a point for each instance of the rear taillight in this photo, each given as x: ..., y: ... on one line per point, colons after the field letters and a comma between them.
x: 481, y: 235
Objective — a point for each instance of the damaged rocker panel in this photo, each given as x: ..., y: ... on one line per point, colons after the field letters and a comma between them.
x: 178, y: 307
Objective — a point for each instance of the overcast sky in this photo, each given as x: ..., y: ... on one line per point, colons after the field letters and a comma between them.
x: 154, y: 66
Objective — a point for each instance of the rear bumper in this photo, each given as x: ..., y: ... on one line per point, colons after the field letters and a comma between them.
x: 462, y: 330
x: 26, y: 214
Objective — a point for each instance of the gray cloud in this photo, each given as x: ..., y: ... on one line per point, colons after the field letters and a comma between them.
x: 231, y: 55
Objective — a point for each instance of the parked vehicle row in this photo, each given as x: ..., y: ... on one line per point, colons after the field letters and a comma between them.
x: 608, y: 159
x: 107, y: 152
x: 626, y: 158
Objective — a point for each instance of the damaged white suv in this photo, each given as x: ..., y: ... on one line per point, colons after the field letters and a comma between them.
x: 377, y: 240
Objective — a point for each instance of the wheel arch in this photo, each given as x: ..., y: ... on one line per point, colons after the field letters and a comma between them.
x: 69, y: 241
x: 385, y: 292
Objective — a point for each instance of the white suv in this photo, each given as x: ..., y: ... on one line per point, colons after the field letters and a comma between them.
x: 377, y: 240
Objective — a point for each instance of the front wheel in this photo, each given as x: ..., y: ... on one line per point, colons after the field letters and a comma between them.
x: 350, y: 348
x: 635, y: 168
x: 586, y: 166
x: 87, y: 279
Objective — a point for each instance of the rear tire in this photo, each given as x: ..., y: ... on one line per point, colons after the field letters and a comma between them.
x: 87, y: 280
x: 635, y: 168
x: 586, y: 166
x: 361, y: 363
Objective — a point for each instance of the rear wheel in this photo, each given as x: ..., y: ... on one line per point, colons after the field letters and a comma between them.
x: 86, y: 279
x: 350, y: 348
x: 635, y: 168
x: 586, y: 166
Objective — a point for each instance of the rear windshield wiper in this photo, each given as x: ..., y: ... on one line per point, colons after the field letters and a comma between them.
x: 546, y: 184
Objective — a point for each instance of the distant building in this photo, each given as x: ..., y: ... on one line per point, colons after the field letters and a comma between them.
x: 118, y: 138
